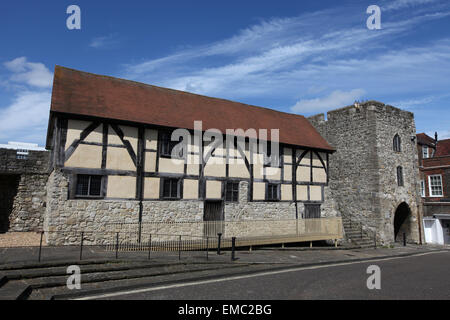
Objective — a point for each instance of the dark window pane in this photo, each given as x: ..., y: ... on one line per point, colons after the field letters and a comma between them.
x: 95, y: 185
x: 232, y: 191
x: 171, y: 188
x: 174, y: 189
x: 400, y: 176
x: 272, y: 192
x: 166, y: 188
x: 82, y: 185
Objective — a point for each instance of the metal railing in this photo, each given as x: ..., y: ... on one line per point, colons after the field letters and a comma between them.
x: 300, y: 229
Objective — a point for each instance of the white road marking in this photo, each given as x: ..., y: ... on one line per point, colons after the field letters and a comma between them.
x: 258, y: 274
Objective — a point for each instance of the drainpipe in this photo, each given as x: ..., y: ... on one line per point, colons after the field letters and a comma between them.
x: 418, y: 223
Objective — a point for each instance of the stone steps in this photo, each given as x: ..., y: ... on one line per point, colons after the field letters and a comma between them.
x: 14, y: 290
x: 19, y: 284
x: 58, y: 293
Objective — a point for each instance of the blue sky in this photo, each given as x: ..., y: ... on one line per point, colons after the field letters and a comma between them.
x: 304, y: 57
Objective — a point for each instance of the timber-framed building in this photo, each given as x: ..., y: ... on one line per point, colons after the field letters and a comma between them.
x: 112, y: 157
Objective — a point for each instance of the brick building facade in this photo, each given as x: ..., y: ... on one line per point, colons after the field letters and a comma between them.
x: 434, y: 164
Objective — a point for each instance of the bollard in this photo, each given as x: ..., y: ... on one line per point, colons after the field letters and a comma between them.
x: 233, y: 248
x: 149, y: 246
x: 404, y: 239
x: 117, y: 245
x: 375, y: 240
x: 81, y: 246
x: 207, y: 247
x: 219, y: 236
x: 179, y: 248
x: 40, y: 247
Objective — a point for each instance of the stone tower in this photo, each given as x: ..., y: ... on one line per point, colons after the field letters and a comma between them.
x: 373, y: 182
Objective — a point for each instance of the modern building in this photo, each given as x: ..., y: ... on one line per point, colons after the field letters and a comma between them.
x: 117, y: 156
x: 434, y: 164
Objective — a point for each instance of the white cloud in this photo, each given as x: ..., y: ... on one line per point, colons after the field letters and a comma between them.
x: 26, y: 118
x: 336, y: 99
x: 29, y: 73
x: 401, y: 4
x: 104, y: 42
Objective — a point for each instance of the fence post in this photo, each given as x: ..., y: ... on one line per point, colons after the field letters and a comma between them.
x: 81, y: 245
x: 149, y: 246
x: 404, y: 239
x: 219, y: 236
x: 233, y: 248
x: 179, y: 248
x: 40, y: 247
x: 375, y: 240
x: 117, y: 245
x: 207, y: 247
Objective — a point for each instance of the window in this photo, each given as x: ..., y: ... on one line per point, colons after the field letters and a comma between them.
x: 268, y: 156
x: 397, y: 143
x: 273, y: 192
x: 171, y: 188
x: 22, y: 154
x: 167, y: 145
x: 424, y: 152
x: 400, y: 176
x: 88, y: 186
x: 422, y: 188
x: 435, y: 185
x: 312, y: 211
x: 232, y: 192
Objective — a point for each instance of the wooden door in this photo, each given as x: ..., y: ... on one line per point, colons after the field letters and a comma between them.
x: 213, y: 217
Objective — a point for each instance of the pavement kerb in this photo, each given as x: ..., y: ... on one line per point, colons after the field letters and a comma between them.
x: 281, y: 268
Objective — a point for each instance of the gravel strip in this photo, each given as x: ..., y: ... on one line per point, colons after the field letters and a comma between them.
x: 20, y: 239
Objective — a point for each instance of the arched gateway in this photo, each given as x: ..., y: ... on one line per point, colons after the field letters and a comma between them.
x: 402, y: 221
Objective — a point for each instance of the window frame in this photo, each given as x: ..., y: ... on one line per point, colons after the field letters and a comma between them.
x: 430, y: 187
x: 233, y: 191
x: 278, y: 191
x: 164, y: 142
x: 397, y: 143
x: 88, y: 195
x: 423, y: 152
x: 178, y: 191
x: 267, y: 156
x: 422, y: 188
x: 400, y: 180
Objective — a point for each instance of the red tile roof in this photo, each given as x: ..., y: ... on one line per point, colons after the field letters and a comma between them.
x: 82, y: 93
x: 423, y: 138
x: 443, y: 148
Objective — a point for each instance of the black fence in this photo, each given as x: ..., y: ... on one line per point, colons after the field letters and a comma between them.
x: 121, y: 245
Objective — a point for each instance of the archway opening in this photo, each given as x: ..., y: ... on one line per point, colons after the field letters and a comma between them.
x: 8, y: 190
x: 402, y: 219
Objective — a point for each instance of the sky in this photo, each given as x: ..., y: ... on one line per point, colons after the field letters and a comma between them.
x: 304, y: 57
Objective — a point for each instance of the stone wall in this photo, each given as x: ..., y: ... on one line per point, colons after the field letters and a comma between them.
x: 363, y: 179
x: 101, y: 219
x: 28, y: 193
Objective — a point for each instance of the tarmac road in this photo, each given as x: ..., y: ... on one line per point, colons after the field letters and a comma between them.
x: 423, y: 276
